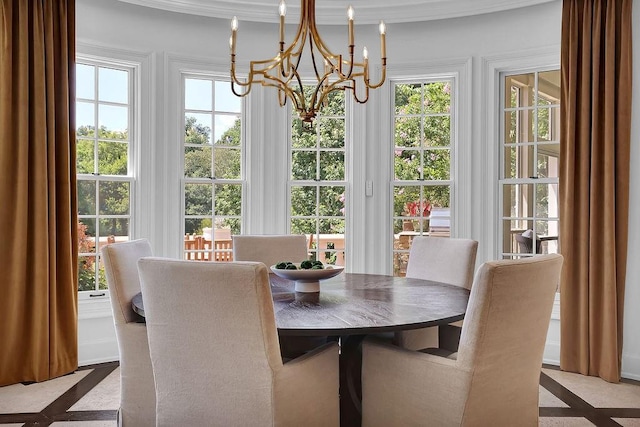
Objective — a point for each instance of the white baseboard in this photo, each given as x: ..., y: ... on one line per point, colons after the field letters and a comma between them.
x: 630, y: 367
x: 97, y: 351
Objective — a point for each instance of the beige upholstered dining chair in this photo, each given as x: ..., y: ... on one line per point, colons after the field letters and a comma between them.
x: 493, y: 379
x: 446, y: 260
x: 270, y: 249
x: 137, y: 389
x: 204, y: 378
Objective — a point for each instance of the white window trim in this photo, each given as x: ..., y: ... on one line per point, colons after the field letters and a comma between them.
x: 487, y: 189
x: 141, y: 125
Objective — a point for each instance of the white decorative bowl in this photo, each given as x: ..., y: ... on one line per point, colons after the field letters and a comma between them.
x: 308, y: 280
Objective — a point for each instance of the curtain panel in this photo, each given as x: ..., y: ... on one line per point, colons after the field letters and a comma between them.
x: 38, y: 213
x: 594, y: 183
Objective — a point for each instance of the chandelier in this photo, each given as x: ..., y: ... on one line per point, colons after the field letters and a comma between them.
x: 332, y: 71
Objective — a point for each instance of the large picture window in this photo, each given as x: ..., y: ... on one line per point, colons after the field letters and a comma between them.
x: 317, y: 187
x: 530, y: 159
x: 422, y: 157
x: 213, y: 164
x: 105, y: 169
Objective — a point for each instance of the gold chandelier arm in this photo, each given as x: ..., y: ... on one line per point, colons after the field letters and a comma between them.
x: 382, y: 77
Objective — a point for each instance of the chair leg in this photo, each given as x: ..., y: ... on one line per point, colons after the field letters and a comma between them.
x: 449, y: 337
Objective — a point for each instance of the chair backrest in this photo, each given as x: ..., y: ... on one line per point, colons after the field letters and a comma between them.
x: 443, y: 259
x: 270, y: 249
x: 212, y: 329
x: 137, y: 389
x: 121, y: 268
x: 504, y: 334
x: 526, y: 244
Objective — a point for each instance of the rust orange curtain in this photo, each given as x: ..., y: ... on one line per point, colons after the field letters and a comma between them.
x: 594, y: 183
x: 38, y: 251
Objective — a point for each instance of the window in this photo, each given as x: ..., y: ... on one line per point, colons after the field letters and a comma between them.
x: 105, y: 171
x: 317, y: 187
x: 213, y: 158
x: 423, y: 135
x: 530, y: 151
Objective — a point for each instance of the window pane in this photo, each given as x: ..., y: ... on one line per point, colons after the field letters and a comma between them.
x: 407, y: 132
x: 113, y: 85
x: 302, y: 136
x: 113, y: 158
x: 86, y: 197
x: 85, y: 156
x: 303, y: 226
x: 406, y: 164
x: 113, y: 122
x: 547, y: 201
x: 228, y: 199
x: 197, y: 128
x: 85, y: 119
x: 197, y: 94
x: 511, y: 132
x: 548, y: 160
x: 114, y: 227
x: 225, y: 99
x: 303, y: 201
x: 526, y: 85
x: 403, y: 197
x: 332, y: 165
x: 114, y: 198
x: 331, y: 201
x: 86, y: 273
x: 227, y: 163
x: 303, y: 165
x: 437, y: 98
x: 198, y: 199
x: 437, y: 164
x: 197, y: 162
x: 227, y: 129
x: 85, y: 81
x: 195, y: 226
x: 331, y: 132
x: 86, y: 236
x: 335, y: 105
x: 437, y: 131
x: 407, y: 98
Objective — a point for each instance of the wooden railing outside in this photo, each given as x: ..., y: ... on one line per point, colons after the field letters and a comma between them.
x: 199, y: 248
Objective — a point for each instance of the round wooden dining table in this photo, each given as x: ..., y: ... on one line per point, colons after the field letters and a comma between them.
x: 350, y: 307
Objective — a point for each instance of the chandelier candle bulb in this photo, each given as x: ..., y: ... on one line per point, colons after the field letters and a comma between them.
x: 234, y: 30
x: 350, y: 15
x: 283, y: 11
x: 383, y: 44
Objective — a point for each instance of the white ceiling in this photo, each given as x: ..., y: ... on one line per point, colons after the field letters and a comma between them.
x: 334, y: 11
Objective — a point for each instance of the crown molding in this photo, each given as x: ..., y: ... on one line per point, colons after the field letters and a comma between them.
x: 333, y: 12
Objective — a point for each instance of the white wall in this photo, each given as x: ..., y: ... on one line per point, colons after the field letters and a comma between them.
x: 479, y: 46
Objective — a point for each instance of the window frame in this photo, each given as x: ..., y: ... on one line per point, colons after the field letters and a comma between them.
x: 319, y: 183
x: 521, y: 217
x: 224, y: 253
x: 400, y: 256
x: 133, y: 142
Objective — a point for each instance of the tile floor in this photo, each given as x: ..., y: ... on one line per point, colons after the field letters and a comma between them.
x: 89, y: 398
